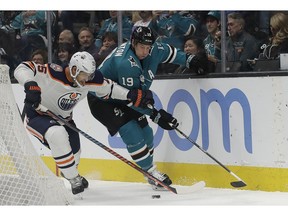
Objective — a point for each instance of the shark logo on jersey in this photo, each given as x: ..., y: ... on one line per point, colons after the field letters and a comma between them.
x: 69, y: 100
x: 133, y: 62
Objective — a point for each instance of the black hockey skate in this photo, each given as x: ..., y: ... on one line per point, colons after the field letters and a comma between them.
x: 161, y: 176
x: 84, y: 182
x: 77, y: 185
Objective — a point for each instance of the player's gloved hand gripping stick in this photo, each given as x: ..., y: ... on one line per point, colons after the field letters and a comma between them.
x: 168, y: 122
x: 164, y: 119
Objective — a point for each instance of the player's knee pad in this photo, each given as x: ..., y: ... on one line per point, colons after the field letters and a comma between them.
x: 58, y: 140
x: 132, y: 139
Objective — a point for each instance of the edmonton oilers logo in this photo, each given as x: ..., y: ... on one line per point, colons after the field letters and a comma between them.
x: 68, y: 101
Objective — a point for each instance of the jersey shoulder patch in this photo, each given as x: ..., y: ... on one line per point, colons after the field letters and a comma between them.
x: 56, y: 67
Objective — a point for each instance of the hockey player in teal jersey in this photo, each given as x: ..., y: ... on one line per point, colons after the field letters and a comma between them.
x: 133, y: 65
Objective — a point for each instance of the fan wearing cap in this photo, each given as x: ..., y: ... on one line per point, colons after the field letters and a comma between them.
x: 212, y: 42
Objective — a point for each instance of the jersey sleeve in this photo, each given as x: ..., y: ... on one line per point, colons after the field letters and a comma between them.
x: 106, y: 88
x: 25, y: 72
x: 169, y: 54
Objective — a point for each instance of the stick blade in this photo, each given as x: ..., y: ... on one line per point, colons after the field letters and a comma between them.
x: 238, y: 184
x: 172, y: 189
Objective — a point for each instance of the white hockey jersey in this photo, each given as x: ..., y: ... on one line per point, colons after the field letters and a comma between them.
x: 58, y: 93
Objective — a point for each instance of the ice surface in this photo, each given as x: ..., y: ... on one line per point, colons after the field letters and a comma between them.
x: 121, y: 198
x: 140, y: 194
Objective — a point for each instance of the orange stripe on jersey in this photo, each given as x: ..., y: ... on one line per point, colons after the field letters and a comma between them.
x: 30, y: 65
x: 35, y: 133
x: 65, y: 161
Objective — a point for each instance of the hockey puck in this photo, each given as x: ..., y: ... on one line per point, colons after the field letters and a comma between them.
x: 156, y: 196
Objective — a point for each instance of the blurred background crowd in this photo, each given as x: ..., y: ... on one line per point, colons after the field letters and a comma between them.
x: 234, y: 41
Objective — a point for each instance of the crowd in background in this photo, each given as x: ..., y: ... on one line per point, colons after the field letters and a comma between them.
x: 252, y: 38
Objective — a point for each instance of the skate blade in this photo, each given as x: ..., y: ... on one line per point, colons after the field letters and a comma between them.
x: 79, y: 196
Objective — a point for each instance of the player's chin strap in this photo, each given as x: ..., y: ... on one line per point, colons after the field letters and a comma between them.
x: 239, y: 183
x: 43, y: 109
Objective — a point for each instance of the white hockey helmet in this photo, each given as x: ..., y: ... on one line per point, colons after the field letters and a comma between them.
x: 83, y: 61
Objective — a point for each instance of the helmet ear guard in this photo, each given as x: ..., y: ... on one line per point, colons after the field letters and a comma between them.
x: 84, y: 62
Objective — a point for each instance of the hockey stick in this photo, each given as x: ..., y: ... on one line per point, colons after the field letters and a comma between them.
x: 58, y: 118
x: 23, y: 112
x: 239, y: 183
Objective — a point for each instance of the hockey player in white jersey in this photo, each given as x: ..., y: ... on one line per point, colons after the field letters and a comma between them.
x: 60, y: 89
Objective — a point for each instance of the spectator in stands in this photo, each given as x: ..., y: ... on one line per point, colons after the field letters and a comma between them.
x: 66, y: 36
x: 147, y: 18
x: 173, y: 26
x: 110, y: 25
x: 279, y: 40
x: 135, y: 16
x: 32, y: 28
x: 110, y: 42
x: 86, y: 41
x: 212, y: 42
x: 64, y: 53
x: 193, y: 45
x: 7, y: 41
x: 7, y: 32
x: 100, y: 17
x: 240, y: 45
x: 257, y: 24
x: 68, y: 18
x: 40, y: 56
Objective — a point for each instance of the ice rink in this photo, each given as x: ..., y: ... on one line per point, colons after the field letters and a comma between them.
x: 122, y: 198
x: 140, y: 194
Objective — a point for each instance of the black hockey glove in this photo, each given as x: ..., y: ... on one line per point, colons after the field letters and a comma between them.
x: 164, y: 120
x: 141, y: 98
x: 33, y: 94
x: 197, y: 62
